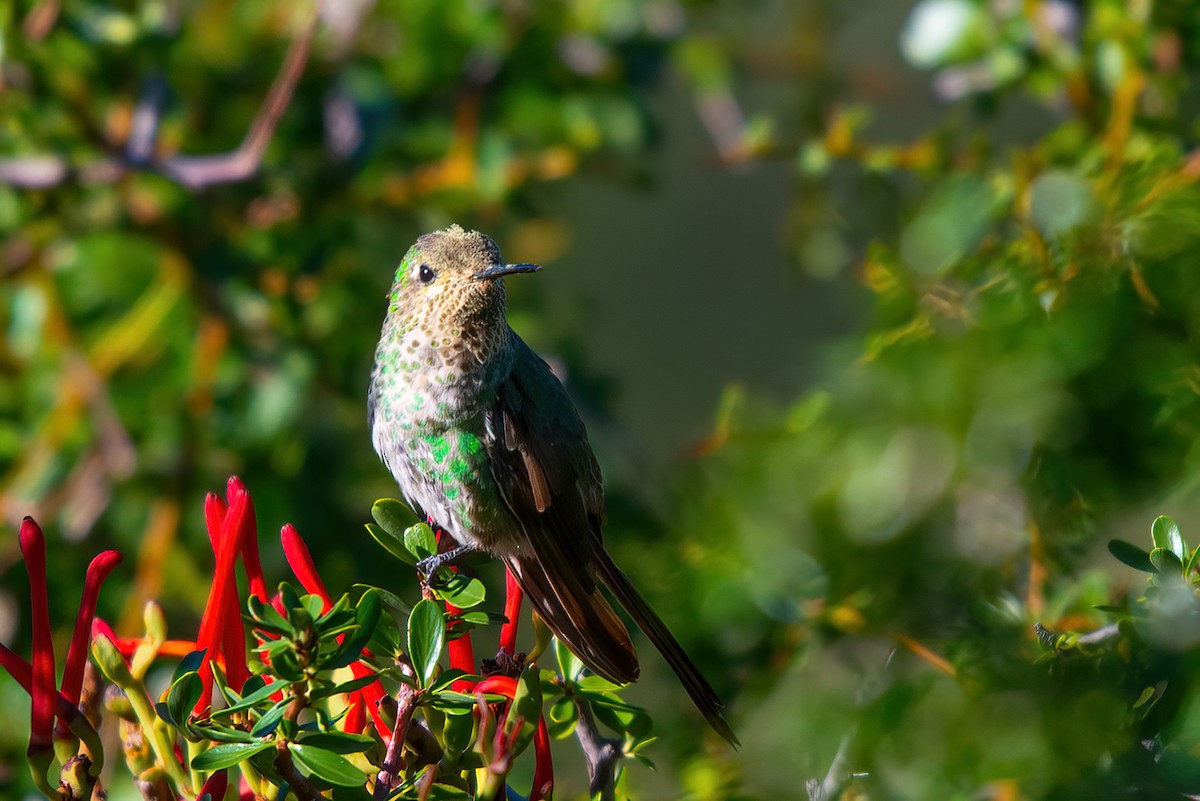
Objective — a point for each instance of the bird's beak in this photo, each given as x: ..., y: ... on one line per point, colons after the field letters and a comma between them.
x: 501, y: 270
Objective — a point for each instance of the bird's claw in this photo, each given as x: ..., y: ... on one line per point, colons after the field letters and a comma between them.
x: 430, y: 565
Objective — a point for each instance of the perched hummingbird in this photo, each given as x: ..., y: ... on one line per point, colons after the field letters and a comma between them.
x: 485, y: 442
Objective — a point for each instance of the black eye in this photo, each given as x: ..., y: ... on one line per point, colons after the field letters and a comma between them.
x: 426, y: 274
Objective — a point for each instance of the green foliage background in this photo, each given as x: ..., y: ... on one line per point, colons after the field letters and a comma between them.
x: 859, y: 565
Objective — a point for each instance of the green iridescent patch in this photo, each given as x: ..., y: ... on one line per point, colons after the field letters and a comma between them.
x: 469, y: 443
x: 439, y: 447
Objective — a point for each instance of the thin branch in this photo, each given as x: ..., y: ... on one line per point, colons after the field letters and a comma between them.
x: 393, y: 761
x: 602, y: 755
x: 194, y: 172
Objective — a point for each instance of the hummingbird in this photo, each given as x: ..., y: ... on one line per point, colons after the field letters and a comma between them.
x: 484, y: 441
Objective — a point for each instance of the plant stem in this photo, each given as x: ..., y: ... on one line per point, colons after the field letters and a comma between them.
x: 393, y: 761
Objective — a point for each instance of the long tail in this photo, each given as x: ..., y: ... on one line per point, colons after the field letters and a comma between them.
x: 697, y: 687
x: 575, y: 609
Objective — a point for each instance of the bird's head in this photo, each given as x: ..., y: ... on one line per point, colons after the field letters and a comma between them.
x: 451, y: 279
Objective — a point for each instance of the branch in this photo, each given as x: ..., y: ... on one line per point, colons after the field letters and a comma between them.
x: 602, y: 754
x: 197, y: 172
x: 393, y: 761
x: 193, y: 172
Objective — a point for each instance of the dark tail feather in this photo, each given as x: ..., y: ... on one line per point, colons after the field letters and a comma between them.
x: 697, y: 687
x: 579, y: 615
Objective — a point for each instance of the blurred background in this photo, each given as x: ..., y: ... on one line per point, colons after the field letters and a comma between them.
x: 883, y: 317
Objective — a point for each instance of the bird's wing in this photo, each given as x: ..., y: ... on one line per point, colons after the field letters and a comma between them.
x: 544, y: 467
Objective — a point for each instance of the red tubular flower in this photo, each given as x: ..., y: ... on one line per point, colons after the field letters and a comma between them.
x: 217, y: 626
x: 214, y: 517
x: 97, y: 572
x: 513, y: 595
x: 216, y: 786
x: 498, y: 684
x: 214, y: 513
x: 543, y: 763
x: 462, y: 655
x: 72, y: 681
x: 301, y: 562
x: 42, y: 691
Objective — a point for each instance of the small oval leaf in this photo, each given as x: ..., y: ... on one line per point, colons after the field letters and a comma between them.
x: 426, y: 638
x: 420, y: 541
x: 1131, y: 555
x: 1165, y: 534
x: 393, y: 516
x: 392, y: 543
x: 463, y: 591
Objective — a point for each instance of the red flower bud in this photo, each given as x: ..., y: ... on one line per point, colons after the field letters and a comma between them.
x: 220, y: 626
x: 99, y: 569
x: 301, y: 562
x: 42, y: 691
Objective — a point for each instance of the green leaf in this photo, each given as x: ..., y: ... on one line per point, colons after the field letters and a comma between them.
x: 343, y: 688
x: 456, y: 703
x: 458, y: 733
x: 229, y: 754
x: 1131, y: 555
x: 562, y: 717
x: 337, y: 742
x: 315, y: 606
x: 1165, y: 561
x: 420, y: 541
x: 1165, y: 534
x: 478, y: 617
x: 218, y: 733
x: 189, y: 664
x: 391, y: 601
x: 286, y: 666
x: 253, y: 699
x: 183, y: 695
x: 568, y: 664
x: 288, y: 595
x: 393, y: 517
x: 462, y: 591
x: 1190, y: 564
x: 270, y: 719
x: 266, y: 618
x: 392, y: 543
x: 426, y: 638
x: 325, y: 765
x: 526, y: 707
x: 366, y: 615
x: 448, y: 677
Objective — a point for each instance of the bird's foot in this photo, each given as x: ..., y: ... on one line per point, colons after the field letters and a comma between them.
x: 430, y: 565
